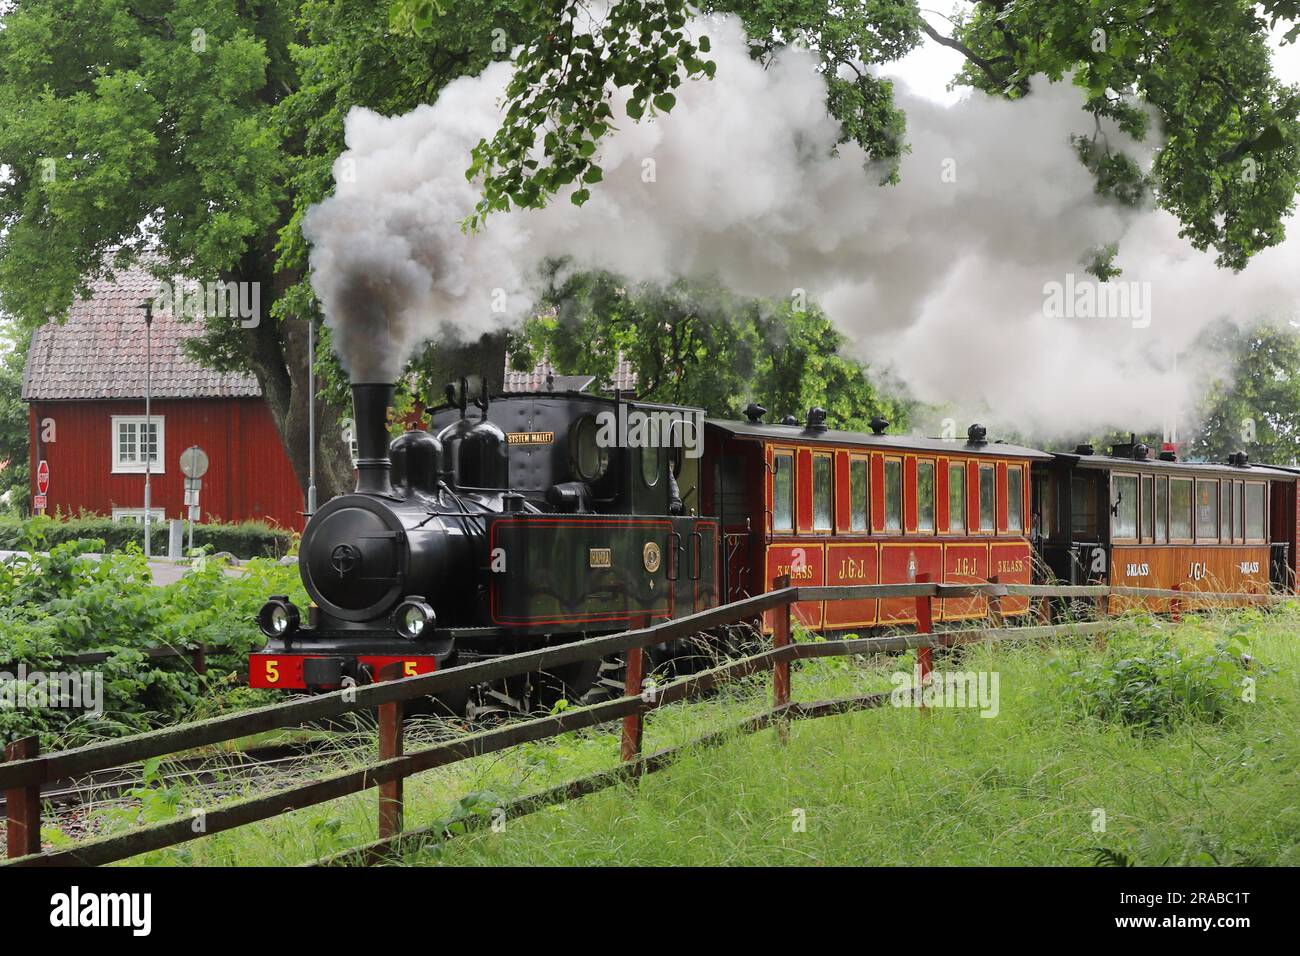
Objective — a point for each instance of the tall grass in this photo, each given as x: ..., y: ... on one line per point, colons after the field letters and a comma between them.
x: 1046, y: 781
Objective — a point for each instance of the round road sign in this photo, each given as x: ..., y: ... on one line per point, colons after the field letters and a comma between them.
x: 194, y: 462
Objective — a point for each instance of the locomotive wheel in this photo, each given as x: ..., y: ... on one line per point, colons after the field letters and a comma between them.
x: 569, y: 682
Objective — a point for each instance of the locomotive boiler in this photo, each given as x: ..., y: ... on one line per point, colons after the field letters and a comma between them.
x: 511, y: 523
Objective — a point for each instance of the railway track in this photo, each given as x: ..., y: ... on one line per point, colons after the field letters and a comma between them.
x: 209, y: 771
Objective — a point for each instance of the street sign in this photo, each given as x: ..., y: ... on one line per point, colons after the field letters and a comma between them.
x: 38, y: 502
x: 43, y: 478
x: 194, y: 462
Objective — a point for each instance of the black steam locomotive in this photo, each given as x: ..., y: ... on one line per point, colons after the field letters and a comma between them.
x: 513, y: 522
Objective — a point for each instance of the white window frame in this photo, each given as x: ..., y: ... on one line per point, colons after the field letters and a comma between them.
x: 137, y: 468
x: 137, y: 515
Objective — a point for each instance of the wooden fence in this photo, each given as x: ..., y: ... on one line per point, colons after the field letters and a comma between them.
x: 25, y: 769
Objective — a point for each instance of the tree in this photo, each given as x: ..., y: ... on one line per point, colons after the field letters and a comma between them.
x: 15, y: 467
x: 698, y: 345
x: 200, y: 131
x: 1228, y: 167
x: 1254, y: 405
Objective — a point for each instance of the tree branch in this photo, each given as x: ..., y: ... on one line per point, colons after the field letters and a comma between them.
x: 985, y: 65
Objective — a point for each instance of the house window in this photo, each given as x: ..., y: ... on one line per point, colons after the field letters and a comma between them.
x: 858, y: 494
x: 956, y: 497
x: 893, y: 494
x: 134, y: 441
x: 783, y: 493
x: 822, y: 493
x: 988, y: 497
x: 925, y: 496
x: 156, y: 515
x: 1015, y: 498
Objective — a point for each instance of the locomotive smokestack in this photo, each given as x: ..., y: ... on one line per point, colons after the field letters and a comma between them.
x: 372, y: 404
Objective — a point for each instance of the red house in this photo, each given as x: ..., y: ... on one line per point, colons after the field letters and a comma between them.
x: 85, y: 386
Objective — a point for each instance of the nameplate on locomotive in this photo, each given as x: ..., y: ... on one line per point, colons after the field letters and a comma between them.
x: 600, y: 558
x: 530, y: 438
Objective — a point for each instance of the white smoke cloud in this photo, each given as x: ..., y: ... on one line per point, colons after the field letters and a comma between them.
x: 941, y: 277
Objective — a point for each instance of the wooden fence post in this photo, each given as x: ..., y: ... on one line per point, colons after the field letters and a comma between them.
x: 23, y: 804
x: 1044, y: 610
x: 200, y: 657
x: 995, y: 604
x: 390, y: 746
x: 924, y: 625
x: 781, y: 671
x: 1176, y: 606
x: 634, y: 674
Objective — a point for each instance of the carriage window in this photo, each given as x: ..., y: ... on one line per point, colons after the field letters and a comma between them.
x: 1015, y: 498
x: 925, y: 496
x: 858, y: 494
x: 893, y: 494
x: 1207, y: 511
x: 822, y: 493
x: 1162, y: 505
x: 1124, y: 507
x: 1083, y: 507
x: 988, y: 489
x: 783, y: 493
x: 1148, y: 509
x: 956, y: 497
x: 1180, y: 509
x: 1225, y: 510
x: 1254, y: 511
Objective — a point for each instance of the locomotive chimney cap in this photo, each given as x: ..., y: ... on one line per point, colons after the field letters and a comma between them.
x: 878, y: 425
x: 977, y: 435
x: 754, y: 413
x: 817, y: 419
x: 1240, y: 459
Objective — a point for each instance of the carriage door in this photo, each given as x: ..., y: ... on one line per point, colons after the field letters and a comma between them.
x: 1282, y: 533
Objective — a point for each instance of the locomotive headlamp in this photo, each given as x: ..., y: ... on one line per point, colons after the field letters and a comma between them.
x: 278, y: 617
x: 412, y: 617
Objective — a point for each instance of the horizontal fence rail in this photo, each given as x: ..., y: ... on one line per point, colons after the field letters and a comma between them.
x: 25, y: 769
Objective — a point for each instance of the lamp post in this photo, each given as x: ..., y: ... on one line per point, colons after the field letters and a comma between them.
x: 147, y: 434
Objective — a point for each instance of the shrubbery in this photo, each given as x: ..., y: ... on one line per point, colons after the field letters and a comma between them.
x: 247, y: 539
x: 64, y: 603
x: 1148, y: 680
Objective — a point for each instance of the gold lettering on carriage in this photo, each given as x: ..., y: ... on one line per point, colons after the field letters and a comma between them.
x: 1010, y: 566
x: 853, y: 569
x: 796, y: 574
x: 966, y: 566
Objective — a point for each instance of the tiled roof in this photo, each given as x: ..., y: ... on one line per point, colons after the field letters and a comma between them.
x: 99, y: 351
x: 535, y: 381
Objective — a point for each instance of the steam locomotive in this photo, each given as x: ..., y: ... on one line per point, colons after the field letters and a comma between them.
x: 520, y: 520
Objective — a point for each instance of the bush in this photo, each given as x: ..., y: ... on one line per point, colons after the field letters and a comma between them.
x: 1150, y: 681
x: 247, y: 539
x: 63, y: 603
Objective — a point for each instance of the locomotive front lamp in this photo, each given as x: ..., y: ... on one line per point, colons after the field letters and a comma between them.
x: 278, y: 617
x: 411, y: 618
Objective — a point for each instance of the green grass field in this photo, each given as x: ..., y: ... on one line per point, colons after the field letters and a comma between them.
x: 1043, y: 782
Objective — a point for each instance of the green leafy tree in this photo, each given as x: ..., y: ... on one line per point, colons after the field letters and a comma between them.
x: 198, y: 132
x: 699, y: 345
x: 15, y: 467
x: 1255, y: 406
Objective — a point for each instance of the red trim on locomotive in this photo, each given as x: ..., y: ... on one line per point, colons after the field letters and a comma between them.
x: 284, y: 671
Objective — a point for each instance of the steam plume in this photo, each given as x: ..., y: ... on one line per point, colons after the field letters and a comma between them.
x: 941, y: 277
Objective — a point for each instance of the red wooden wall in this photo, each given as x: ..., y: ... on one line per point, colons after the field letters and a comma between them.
x: 249, y: 476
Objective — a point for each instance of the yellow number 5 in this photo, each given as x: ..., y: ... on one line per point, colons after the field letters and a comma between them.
x: 272, y: 672
x: 408, y: 669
